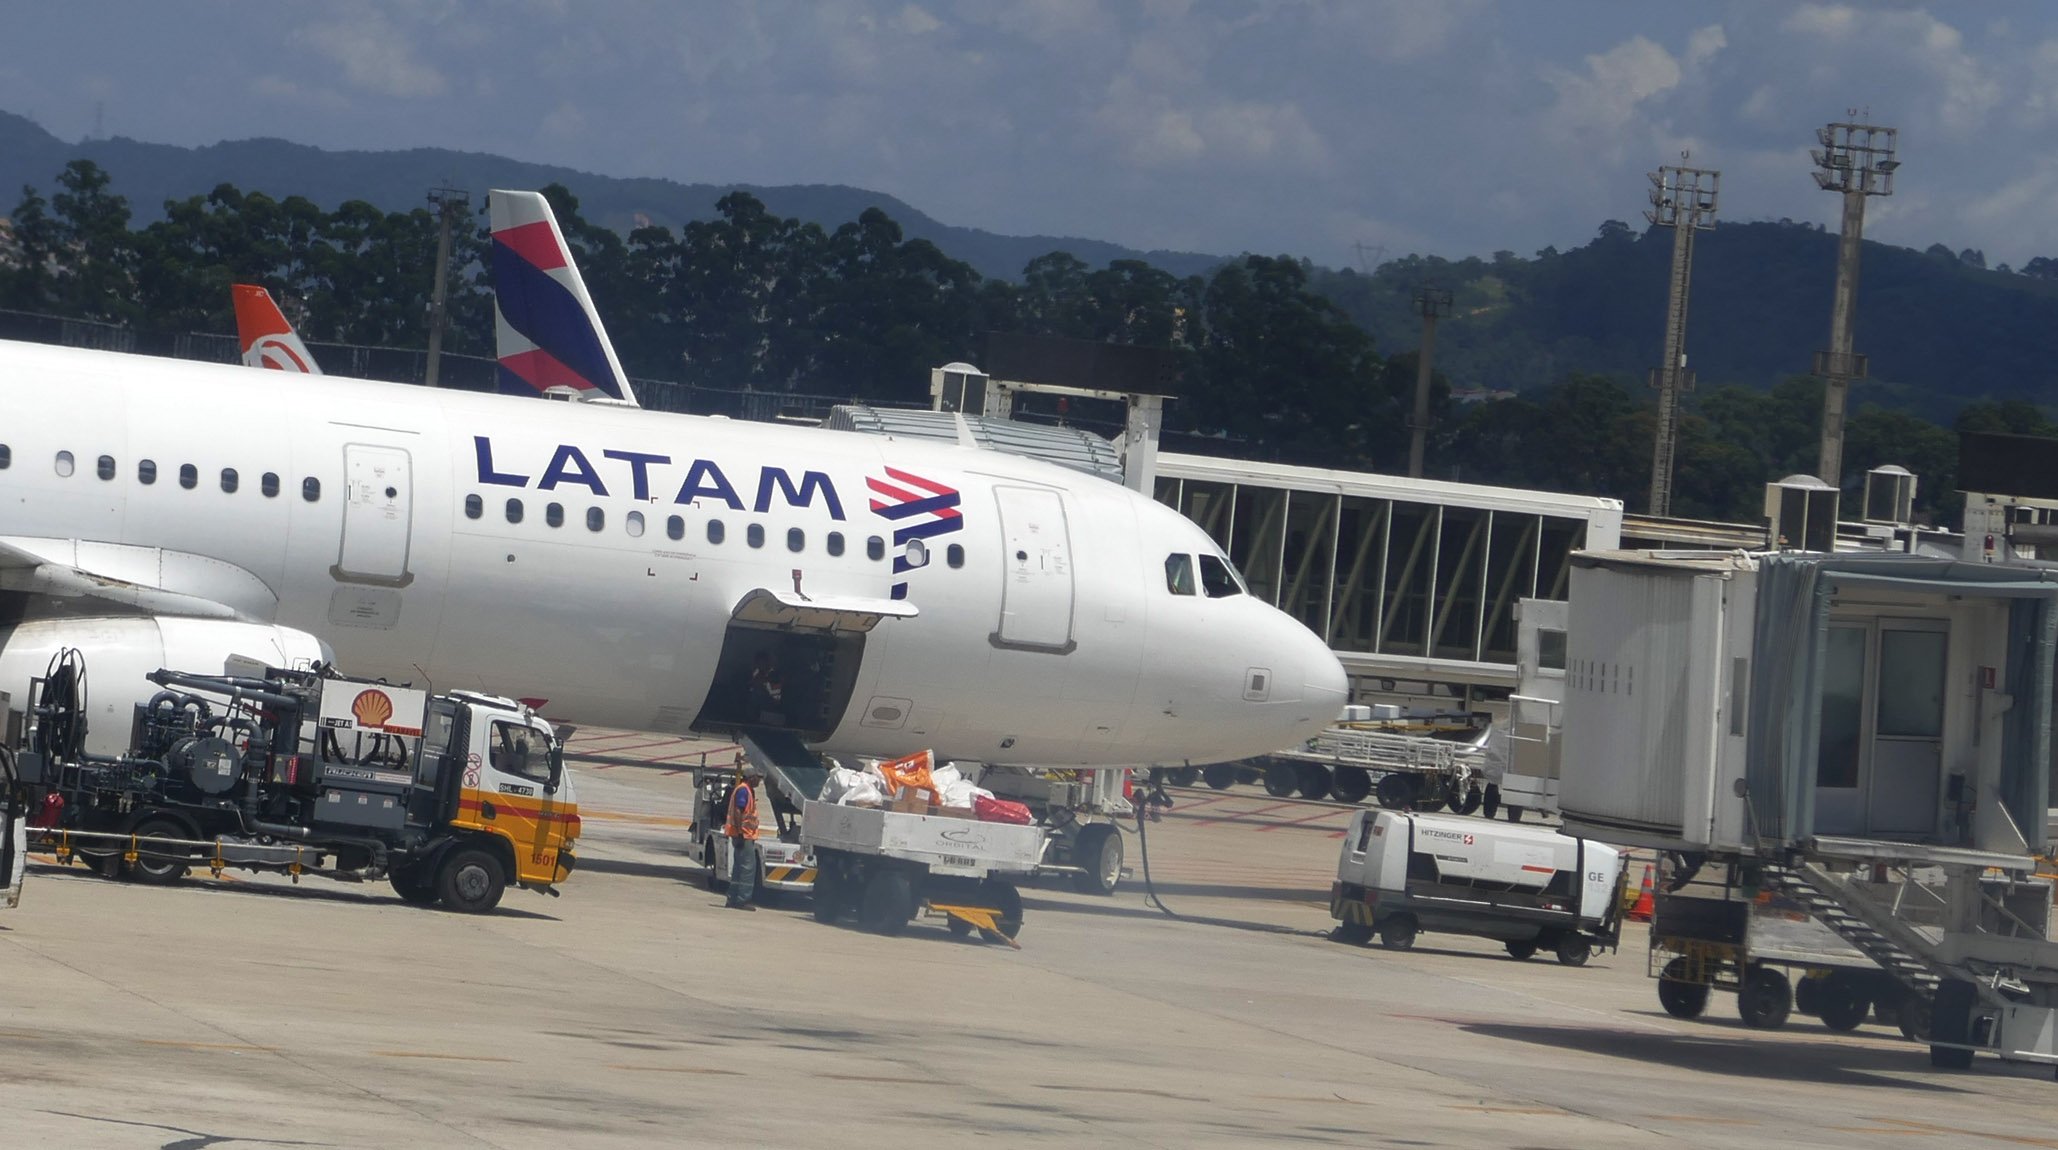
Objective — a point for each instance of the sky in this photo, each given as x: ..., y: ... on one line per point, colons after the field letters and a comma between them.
x: 1343, y: 132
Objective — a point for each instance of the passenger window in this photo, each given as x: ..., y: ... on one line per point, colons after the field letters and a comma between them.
x: 1179, y: 574
x: 715, y: 531
x: 875, y: 548
x: 311, y: 489
x: 269, y: 484
x: 6, y: 457
x: 635, y: 524
x: 64, y: 464
x: 514, y: 511
x: 754, y: 535
x: 474, y: 507
x: 189, y: 476
x: 954, y: 555
x: 675, y: 528
x: 595, y: 519
x: 105, y: 467
x: 835, y: 542
x: 1217, y: 579
x: 146, y: 471
x: 554, y: 514
x: 229, y: 480
x: 796, y: 539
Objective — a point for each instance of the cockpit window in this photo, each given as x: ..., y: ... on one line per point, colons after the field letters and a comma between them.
x: 1179, y: 574
x: 1217, y: 579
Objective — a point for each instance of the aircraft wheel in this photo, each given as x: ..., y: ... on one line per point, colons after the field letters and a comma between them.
x: 1221, y: 776
x: 1765, y: 999
x: 1313, y: 782
x: 1351, y: 784
x: 1098, y: 852
x: 1282, y: 780
x: 1681, y: 997
x: 1183, y: 776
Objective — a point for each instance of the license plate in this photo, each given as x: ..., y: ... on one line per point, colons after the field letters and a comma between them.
x: 958, y: 860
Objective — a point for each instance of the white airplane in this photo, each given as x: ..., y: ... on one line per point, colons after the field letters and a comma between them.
x: 626, y: 568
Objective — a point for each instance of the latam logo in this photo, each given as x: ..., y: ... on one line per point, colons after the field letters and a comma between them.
x: 920, y: 509
x: 646, y: 475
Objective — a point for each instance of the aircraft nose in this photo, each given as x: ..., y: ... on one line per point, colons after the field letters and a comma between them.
x: 1326, y: 687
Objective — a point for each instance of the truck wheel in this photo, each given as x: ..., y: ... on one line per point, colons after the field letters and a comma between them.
x: 1514, y: 814
x: 1520, y: 950
x: 1951, y: 1021
x: 1912, y: 1017
x: 1351, y: 784
x: 1355, y: 933
x: 1841, y: 1001
x: 1490, y: 803
x: 828, y: 894
x: 1098, y: 852
x: 471, y: 880
x: 159, y: 866
x: 1313, y: 782
x: 1282, y: 780
x: 1574, y: 948
x: 707, y: 862
x: 1678, y: 994
x: 1184, y: 776
x: 1469, y: 803
x: 1765, y: 999
x: 1395, y: 791
x: 889, y: 902
x: 1221, y: 776
x: 1007, y: 905
x: 1398, y: 932
x: 413, y: 884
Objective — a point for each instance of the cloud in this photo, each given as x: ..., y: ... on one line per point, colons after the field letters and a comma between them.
x: 376, y: 57
x: 1600, y: 102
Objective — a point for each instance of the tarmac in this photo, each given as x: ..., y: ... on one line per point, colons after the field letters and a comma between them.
x: 636, y: 1011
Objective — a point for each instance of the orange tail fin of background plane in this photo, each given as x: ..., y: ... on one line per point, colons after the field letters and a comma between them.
x: 265, y: 337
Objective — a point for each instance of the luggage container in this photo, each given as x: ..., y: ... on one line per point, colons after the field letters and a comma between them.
x: 1527, y: 887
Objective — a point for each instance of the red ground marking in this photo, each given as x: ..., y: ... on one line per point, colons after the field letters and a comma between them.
x: 1241, y: 814
x: 1308, y: 819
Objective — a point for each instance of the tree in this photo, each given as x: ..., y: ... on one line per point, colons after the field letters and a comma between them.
x: 30, y: 285
x: 96, y: 255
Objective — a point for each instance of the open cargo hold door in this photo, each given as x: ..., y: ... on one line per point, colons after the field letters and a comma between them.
x: 790, y: 662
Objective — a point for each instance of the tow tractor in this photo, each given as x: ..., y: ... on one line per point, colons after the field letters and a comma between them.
x: 449, y: 797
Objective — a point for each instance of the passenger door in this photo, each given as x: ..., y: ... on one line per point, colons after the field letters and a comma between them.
x: 378, y: 516
x: 1879, y: 759
x: 1036, y: 592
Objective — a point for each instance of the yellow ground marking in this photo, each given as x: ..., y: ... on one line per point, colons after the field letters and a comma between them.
x: 207, y: 1045
x: 624, y: 817
x: 1512, y: 1110
x: 439, y: 1057
x: 705, y: 1070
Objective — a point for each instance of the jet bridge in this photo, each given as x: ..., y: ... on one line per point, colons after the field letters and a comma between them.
x: 1869, y: 735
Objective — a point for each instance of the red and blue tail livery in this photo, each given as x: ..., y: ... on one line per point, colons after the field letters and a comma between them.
x: 549, y: 337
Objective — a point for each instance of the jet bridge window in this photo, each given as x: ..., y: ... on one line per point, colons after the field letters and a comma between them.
x: 514, y: 511
x: 269, y: 484
x: 311, y: 489
x: 104, y: 467
x: 64, y: 465
x: 146, y: 471
x: 229, y: 480
x: 554, y: 514
x: 1179, y: 574
x: 1217, y: 579
x: 189, y: 476
x: 474, y: 507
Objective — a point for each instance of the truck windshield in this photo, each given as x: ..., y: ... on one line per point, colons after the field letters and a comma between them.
x: 519, y: 751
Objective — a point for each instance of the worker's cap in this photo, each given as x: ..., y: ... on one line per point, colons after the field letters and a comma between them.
x: 752, y: 770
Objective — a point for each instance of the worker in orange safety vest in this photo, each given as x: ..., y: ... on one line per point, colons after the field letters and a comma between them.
x: 742, y: 832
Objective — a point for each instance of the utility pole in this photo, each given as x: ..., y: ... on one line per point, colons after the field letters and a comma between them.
x: 1682, y: 199
x: 451, y: 205
x: 1432, y: 302
x: 1856, y: 160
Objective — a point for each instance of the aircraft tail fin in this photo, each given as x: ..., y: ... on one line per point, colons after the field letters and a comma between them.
x: 548, y: 335
x: 263, y: 334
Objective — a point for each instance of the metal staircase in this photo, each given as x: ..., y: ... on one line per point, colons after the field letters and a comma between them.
x: 1899, y: 947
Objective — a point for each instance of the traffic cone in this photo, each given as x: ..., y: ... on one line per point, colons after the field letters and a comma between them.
x: 1645, y: 905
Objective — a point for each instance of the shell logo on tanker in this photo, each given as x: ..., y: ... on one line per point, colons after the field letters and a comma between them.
x: 372, y: 708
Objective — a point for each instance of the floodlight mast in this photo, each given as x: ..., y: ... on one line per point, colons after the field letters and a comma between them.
x: 1856, y: 160
x: 1432, y: 302
x: 1682, y: 199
